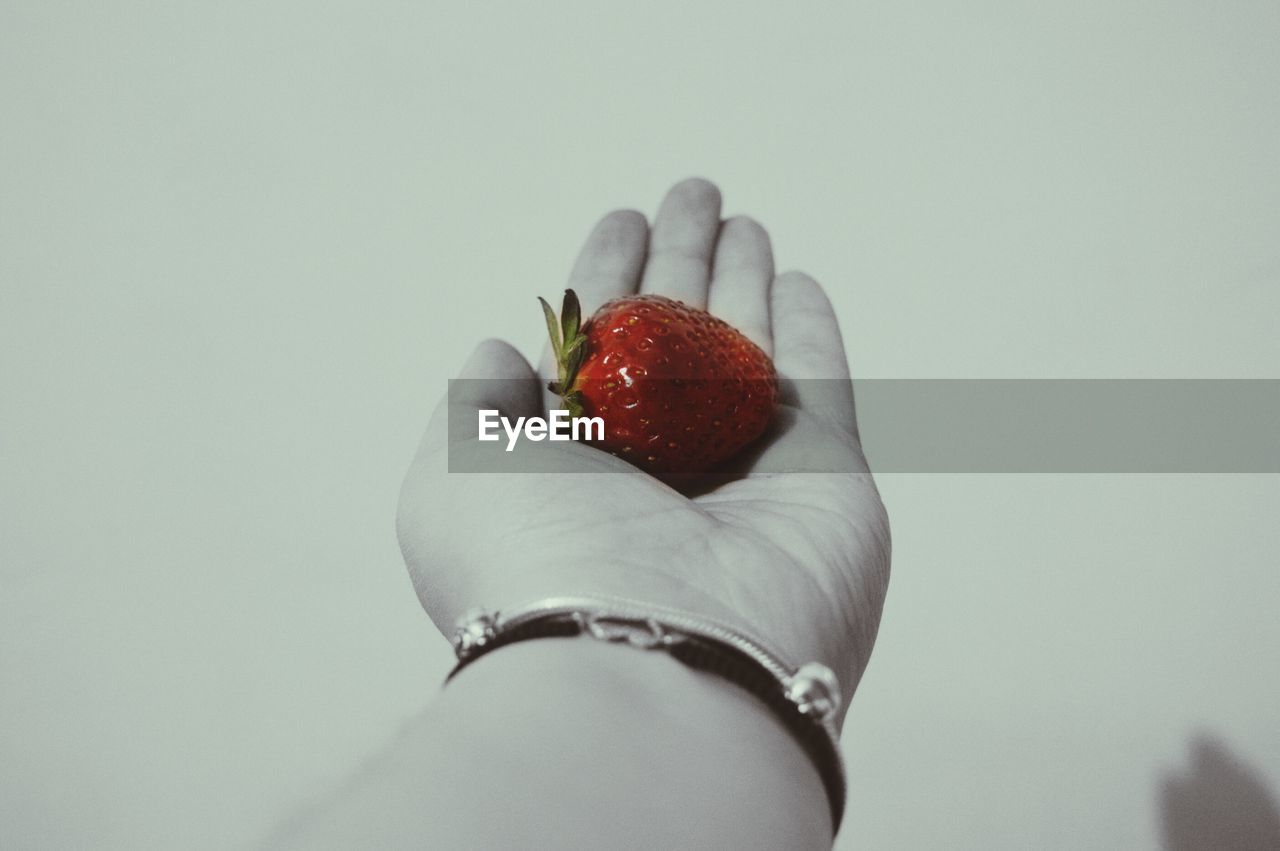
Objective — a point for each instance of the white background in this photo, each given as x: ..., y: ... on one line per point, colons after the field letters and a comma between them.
x: 243, y: 245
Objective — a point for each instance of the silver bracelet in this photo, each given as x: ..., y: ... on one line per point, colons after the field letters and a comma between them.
x: 805, y: 698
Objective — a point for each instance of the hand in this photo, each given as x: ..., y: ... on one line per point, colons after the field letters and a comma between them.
x: 793, y: 548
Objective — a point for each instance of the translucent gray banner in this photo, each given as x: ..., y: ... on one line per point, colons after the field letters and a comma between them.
x: 943, y: 426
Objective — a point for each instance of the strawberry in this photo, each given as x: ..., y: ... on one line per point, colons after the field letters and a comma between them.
x: 679, y: 390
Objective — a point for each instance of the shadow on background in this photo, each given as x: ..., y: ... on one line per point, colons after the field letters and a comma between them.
x: 1218, y: 802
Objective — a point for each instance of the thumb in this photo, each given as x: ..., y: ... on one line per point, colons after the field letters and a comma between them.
x: 495, y: 377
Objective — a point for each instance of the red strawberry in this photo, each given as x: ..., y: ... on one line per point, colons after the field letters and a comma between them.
x: 678, y: 389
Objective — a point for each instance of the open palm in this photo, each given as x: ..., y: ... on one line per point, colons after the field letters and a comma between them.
x: 792, y: 545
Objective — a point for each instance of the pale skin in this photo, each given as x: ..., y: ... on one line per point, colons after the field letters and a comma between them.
x: 786, y: 550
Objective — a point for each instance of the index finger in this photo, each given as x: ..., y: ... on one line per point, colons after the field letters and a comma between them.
x: 809, y: 352
x: 608, y: 267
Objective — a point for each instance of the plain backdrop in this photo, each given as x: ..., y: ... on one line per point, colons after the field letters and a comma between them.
x: 243, y: 246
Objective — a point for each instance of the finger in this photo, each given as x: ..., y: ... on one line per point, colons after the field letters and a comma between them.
x: 741, y: 274
x: 495, y: 377
x: 610, y: 262
x: 683, y: 241
x: 608, y: 267
x: 808, y: 351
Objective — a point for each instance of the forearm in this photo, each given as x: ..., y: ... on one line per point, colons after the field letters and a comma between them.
x: 574, y: 743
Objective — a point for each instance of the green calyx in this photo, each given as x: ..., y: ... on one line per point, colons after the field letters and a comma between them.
x: 570, y: 347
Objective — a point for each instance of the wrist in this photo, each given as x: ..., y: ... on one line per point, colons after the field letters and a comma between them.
x: 638, y: 736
